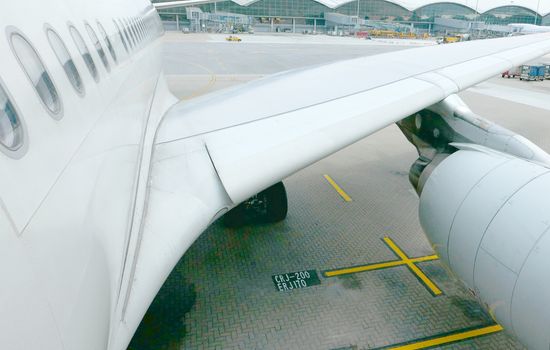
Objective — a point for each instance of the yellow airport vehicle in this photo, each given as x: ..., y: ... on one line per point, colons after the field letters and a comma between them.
x: 233, y: 38
x: 449, y: 39
x: 378, y: 33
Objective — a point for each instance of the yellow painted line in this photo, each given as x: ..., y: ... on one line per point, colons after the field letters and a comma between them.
x: 364, y: 268
x: 206, y: 88
x: 435, y: 290
x: 404, y: 260
x: 450, y: 338
x: 372, y: 267
x: 425, y: 279
x: 203, y: 90
x: 395, y: 248
x: 425, y: 258
x: 338, y: 189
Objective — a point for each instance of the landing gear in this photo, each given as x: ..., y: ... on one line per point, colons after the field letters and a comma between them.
x: 268, y: 206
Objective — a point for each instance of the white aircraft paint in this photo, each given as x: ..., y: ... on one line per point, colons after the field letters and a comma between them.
x: 524, y: 28
x: 104, y: 197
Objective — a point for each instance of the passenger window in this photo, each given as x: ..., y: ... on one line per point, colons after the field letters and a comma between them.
x: 129, y: 27
x: 66, y: 60
x: 128, y: 39
x: 121, y: 36
x: 134, y: 33
x: 107, y: 41
x: 136, y: 30
x: 98, y: 46
x: 11, y: 130
x: 140, y: 28
x: 36, y: 72
x: 84, y: 52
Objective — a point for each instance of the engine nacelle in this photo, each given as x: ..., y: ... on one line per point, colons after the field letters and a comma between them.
x: 487, y: 215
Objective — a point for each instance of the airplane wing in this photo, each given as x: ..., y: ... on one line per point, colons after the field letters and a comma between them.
x: 261, y: 133
x: 213, y: 152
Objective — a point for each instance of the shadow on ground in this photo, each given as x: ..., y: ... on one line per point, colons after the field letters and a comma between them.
x: 163, y: 325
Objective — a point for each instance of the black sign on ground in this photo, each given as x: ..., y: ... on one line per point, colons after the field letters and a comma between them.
x: 295, y: 280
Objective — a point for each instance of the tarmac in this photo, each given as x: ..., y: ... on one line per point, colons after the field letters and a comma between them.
x: 374, y: 281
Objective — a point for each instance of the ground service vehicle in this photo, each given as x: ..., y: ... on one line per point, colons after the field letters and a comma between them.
x: 512, y: 73
x: 233, y: 38
x: 531, y: 73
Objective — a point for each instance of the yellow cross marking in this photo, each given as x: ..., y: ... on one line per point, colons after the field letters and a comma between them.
x: 404, y: 261
x: 338, y: 189
x: 449, y: 338
x: 412, y: 266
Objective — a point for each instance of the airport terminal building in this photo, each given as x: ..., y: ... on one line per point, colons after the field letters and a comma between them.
x: 421, y: 12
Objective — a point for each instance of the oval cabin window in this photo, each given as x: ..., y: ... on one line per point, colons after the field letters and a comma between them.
x: 121, y: 36
x: 133, y: 32
x: 11, y: 131
x: 126, y: 34
x: 84, y: 52
x: 98, y: 47
x: 66, y: 61
x: 36, y: 72
x: 108, y: 42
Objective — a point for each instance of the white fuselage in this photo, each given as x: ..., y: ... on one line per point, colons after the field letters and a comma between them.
x: 524, y: 28
x: 70, y: 196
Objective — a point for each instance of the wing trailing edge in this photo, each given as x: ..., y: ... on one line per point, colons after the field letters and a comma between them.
x: 267, y: 130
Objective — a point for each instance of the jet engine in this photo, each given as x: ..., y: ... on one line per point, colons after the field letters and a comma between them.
x: 488, y: 217
x: 485, y: 207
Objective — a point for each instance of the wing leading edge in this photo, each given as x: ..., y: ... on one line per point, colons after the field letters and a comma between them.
x: 261, y: 133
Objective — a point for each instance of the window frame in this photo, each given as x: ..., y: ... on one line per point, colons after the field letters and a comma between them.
x: 140, y: 27
x: 82, y: 91
x: 19, y: 151
x: 96, y: 44
x: 13, y: 31
x: 138, y: 34
x: 133, y: 31
x: 110, y: 47
x: 121, y: 35
x: 130, y: 32
x: 126, y: 34
x: 94, y: 71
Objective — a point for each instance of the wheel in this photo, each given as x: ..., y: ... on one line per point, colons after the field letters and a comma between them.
x: 268, y: 206
x: 235, y: 218
x: 277, y: 203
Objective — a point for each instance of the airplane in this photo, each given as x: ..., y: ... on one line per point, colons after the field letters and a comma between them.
x: 524, y: 28
x: 107, y: 178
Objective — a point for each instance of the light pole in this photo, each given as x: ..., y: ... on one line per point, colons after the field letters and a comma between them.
x: 477, y: 16
x: 537, y: 13
x: 357, y: 25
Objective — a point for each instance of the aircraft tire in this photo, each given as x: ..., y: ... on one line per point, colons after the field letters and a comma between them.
x: 277, y: 200
x: 274, y: 202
